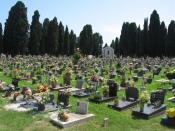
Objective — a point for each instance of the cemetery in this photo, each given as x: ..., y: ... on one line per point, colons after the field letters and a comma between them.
x: 97, y: 100
x: 52, y: 78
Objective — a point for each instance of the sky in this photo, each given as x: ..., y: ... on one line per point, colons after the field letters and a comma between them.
x: 105, y: 16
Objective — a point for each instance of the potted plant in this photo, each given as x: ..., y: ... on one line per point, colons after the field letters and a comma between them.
x: 63, y: 115
x: 97, y: 96
x: 41, y: 103
x: 64, y: 97
x: 105, y: 92
x: 149, y: 79
x: 116, y: 101
x: 144, y: 98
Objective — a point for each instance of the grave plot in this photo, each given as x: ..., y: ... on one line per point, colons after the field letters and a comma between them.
x: 130, y: 100
x: 65, y: 120
x: 108, y: 94
x: 84, y: 92
x: 63, y: 99
x: 154, y: 108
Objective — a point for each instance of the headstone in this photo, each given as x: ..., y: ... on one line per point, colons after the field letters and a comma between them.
x: 82, y: 108
x: 157, y: 98
x: 131, y: 94
x: 15, y: 82
x: 79, y: 83
x: 112, y: 88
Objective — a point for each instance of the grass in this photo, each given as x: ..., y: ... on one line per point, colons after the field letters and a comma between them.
x: 118, y: 121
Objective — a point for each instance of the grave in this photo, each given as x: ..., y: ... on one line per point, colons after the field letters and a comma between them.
x: 81, y: 93
x: 130, y: 100
x: 111, y: 96
x: 21, y: 106
x: 79, y: 117
x: 63, y: 99
x: 154, y: 108
x: 67, y: 78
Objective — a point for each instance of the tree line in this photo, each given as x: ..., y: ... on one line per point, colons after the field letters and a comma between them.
x: 153, y: 40
x: 49, y: 37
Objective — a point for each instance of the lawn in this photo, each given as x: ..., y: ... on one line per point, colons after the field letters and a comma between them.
x: 118, y: 121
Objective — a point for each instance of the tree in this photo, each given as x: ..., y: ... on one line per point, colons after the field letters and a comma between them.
x: 97, y: 42
x: 1, y: 39
x: 35, y: 34
x: 139, y: 42
x: 43, y: 43
x: 16, y: 30
x: 61, y: 38
x: 154, y: 34
x: 52, y: 37
x: 66, y: 46
x: 85, y: 40
x: 163, y: 35
x: 132, y: 39
x: 72, y: 38
x: 112, y: 44
x: 116, y: 45
x: 123, y: 44
x: 145, y: 39
x: 170, y: 43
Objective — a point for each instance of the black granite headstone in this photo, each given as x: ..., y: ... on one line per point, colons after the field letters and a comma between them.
x: 131, y: 94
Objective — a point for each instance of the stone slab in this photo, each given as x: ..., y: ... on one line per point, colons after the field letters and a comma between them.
x: 74, y: 119
x: 104, y: 99
x: 123, y: 105
x: 20, y: 107
x: 148, y: 112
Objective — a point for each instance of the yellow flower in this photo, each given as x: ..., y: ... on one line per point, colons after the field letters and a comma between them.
x: 170, y: 112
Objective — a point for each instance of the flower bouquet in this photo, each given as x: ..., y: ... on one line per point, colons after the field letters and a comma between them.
x: 169, y: 120
x: 144, y: 98
x: 63, y: 115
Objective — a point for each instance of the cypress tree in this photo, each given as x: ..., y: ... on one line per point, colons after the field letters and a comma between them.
x: 116, y: 45
x: 97, y: 42
x: 145, y: 39
x: 132, y: 39
x: 72, y: 38
x: 1, y: 39
x: 52, y: 37
x: 154, y: 34
x: 35, y: 34
x: 85, y: 40
x: 163, y: 35
x: 66, y: 42
x: 112, y: 44
x: 170, y: 43
x: 16, y: 30
x: 61, y: 38
x: 123, y: 45
x: 44, y: 36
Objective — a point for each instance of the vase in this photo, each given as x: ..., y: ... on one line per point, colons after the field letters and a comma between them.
x: 142, y: 107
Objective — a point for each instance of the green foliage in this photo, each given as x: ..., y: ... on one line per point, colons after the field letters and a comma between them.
x: 76, y: 57
x: 1, y: 39
x: 16, y: 30
x: 52, y: 37
x: 44, y: 36
x: 35, y: 34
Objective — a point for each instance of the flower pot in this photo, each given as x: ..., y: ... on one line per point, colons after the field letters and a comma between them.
x: 142, y: 107
x: 41, y: 107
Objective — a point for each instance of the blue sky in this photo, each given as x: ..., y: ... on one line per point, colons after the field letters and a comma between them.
x: 105, y: 16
